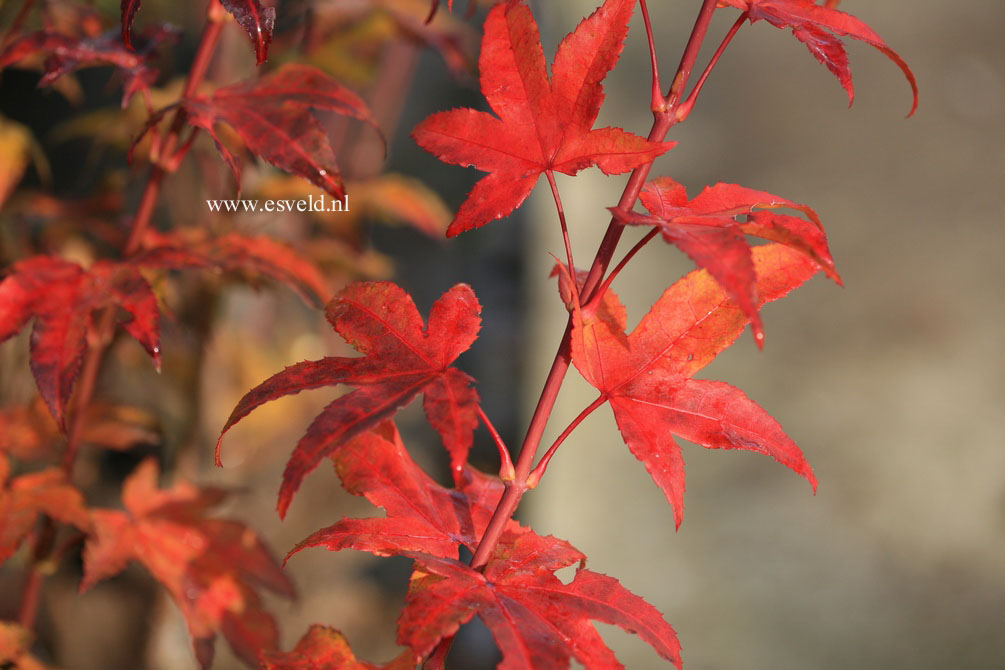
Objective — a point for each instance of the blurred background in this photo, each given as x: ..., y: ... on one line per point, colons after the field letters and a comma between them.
x: 894, y: 386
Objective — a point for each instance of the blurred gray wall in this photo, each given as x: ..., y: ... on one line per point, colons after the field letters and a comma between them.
x: 894, y: 386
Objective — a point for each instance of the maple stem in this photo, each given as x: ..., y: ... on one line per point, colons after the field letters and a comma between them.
x: 506, y: 472
x: 556, y: 376
x: 599, y: 293
x: 685, y: 107
x: 565, y: 230
x: 535, y: 475
x: 104, y: 329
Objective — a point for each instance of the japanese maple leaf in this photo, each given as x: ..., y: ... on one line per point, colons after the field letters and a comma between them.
x: 257, y: 20
x: 24, y: 498
x: 537, y: 620
x: 323, y: 647
x: 542, y: 124
x: 400, y: 359
x: 813, y: 24
x: 211, y: 567
x: 272, y: 117
x: 422, y: 516
x: 707, y: 230
x: 646, y: 375
x: 67, y: 53
x: 233, y: 252
x: 61, y: 297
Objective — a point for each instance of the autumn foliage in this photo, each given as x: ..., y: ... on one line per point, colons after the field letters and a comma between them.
x: 469, y: 556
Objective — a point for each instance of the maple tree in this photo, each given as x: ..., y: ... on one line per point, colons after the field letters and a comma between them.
x: 469, y: 556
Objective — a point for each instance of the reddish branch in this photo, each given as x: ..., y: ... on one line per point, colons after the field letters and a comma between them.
x: 664, y: 121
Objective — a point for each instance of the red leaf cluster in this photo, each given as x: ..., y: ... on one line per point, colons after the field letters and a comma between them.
x: 538, y: 621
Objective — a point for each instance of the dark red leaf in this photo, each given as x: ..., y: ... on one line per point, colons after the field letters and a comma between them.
x: 646, y: 375
x: 707, y: 229
x: 61, y: 297
x: 542, y: 124
x: 538, y: 622
x: 272, y: 117
x: 210, y: 567
x: 67, y: 53
x: 812, y: 25
x: 400, y: 359
x: 257, y: 20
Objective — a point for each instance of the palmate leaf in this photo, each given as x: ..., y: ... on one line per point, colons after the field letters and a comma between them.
x: 538, y: 621
x: 257, y: 20
x: 212, y: 568
x: 543, y: 124
x: 707, y: 229
x: 272, y: 117
x: 813, y: 25
x: 61, y: 297
x: 401, y: 359
x: 646, y: 375
x: 422, y: 516
x: 67, y: 53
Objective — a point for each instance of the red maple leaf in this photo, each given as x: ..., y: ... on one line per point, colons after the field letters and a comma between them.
x: 422, y: 516
x: 61, y: 297
x: 536, y: 619
x: 68, y: 53
x: 813, y: 24
x: 706, y: 228
x: 646, y: 375
x: 272, y: 117
x: 323, y: 647
x: 400, y: 359
x: 211, y: 567
x: 542, y: 124
x: 257, y: 20
x: 233, y: 252
x: 24, y: 498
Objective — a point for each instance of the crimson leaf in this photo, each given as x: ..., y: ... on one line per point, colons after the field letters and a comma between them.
x: 61, y: 297
x: 542, y: 124
x: 400, y: 359
x: 422, y: 516
x: 538, y: 622
x: 272, y: 117
x: 646, y: 375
